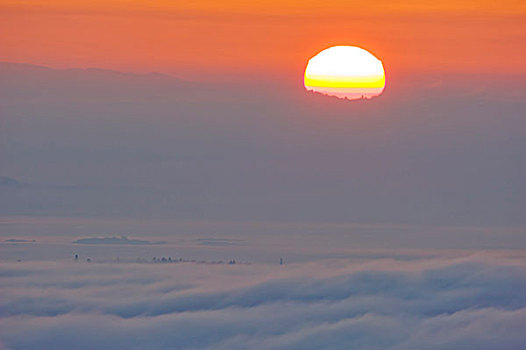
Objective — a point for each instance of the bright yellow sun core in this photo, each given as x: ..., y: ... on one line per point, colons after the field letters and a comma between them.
x: 346, y: 72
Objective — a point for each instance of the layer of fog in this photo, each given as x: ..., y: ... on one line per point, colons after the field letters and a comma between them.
x: 475, y: 301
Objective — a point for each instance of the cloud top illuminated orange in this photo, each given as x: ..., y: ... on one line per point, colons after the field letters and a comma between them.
x: 346, y: 72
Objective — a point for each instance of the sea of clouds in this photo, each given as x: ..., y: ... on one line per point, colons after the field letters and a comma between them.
x: 476, y: 301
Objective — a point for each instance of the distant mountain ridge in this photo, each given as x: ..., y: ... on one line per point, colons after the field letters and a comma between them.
x: 15, y: 67
x: 20, y: 82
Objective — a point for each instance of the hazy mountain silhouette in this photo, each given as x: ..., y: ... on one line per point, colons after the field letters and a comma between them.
x: 432, y: 150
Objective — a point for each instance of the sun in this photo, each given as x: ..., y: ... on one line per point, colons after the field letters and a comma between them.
x: 345, y: 72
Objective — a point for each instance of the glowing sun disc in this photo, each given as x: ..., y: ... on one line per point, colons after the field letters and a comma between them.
x: 345, y: 72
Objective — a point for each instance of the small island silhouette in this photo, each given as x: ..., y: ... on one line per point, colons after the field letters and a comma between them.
x: 115, y: 240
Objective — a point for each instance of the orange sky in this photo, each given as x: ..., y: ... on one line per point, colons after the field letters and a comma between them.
x: 263, y: 37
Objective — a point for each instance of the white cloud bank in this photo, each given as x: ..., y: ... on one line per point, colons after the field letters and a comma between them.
x: 475, y: 302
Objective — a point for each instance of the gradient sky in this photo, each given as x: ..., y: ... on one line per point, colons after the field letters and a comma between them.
x: 216, y: 39
x: 443, y: 145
